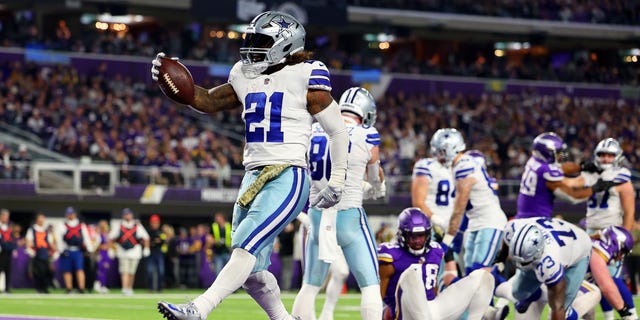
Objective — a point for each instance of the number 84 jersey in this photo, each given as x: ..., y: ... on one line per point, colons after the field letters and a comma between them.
x: 565, y: 245
x: 277, y: 122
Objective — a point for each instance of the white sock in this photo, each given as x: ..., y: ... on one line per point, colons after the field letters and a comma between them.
x: 263, y: 288
x: 371, y: 304
x: 3, y: 286
x: 608, y: 315
x: 333, y: 291
x: 231, y: 277
x: 504, y: 290
x: 305, y: 302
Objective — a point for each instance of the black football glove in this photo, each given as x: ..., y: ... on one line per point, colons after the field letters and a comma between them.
x: 589, y: 166
x: 625, y: 311
x: 603, y: 185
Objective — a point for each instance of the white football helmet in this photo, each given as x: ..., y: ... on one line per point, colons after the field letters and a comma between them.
x: 269, y: 39
x: 360, y: 102
x: 445, y: 145
x: 611, y: 146
x: 526, y: 246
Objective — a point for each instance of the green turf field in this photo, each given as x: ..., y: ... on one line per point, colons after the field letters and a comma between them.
x: 143, y: 305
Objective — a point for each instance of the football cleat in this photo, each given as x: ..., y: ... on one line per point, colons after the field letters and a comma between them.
x: 184, y: 311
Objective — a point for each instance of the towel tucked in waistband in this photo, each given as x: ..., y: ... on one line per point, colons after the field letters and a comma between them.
x: 268, y: 173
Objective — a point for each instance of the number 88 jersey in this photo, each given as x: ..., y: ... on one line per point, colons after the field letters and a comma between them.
x: 277, y: 122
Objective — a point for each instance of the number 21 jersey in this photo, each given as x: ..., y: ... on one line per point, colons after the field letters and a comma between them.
x: 277, y: 122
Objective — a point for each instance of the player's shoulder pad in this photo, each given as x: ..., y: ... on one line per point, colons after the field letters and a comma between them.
x: 319, y: 76
x: 622, y: 175
x: 422, y: 167
x: 372, y: 136
x: 464, y: 167
x: 236, y: 72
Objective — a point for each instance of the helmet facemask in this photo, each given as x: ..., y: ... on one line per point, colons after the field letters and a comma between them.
x: 269, y: 40
x: 608, y: 146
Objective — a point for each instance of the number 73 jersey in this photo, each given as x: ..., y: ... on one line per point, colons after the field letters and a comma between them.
x: 277, y: 122
x: 565, y: 245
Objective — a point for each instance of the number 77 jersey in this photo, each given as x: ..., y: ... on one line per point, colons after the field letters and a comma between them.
x: 565, y: 245
x: 277, y: 122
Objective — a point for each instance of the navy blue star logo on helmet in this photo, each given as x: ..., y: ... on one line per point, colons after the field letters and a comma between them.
x: 283, y: 24
x: 535, y: 242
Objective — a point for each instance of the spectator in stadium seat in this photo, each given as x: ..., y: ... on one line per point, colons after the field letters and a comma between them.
x: 7, y: 245
x: 130, y: 238
x: 5, y: 158
x: 21, y: 163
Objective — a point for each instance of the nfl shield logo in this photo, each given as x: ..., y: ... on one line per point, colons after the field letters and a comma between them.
x: 267, y: 81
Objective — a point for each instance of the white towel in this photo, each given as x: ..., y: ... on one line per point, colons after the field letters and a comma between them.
x: 327, y: 240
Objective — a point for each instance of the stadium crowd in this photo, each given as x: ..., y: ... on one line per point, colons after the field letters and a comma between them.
x: 414, y: 56
x: 129, y: 124
x: 607, y: 12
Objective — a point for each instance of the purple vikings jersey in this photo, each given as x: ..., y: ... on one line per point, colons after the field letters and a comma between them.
x: 535, y: 199
x: 390, y: 252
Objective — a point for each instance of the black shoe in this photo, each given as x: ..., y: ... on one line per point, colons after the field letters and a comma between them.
x: 81, y: 291
x: 67, y: 291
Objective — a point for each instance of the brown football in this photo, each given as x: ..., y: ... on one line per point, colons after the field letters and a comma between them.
x: 175, y: 81
x: 571, y: 169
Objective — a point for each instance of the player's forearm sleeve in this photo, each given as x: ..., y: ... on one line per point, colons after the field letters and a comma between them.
x: 373, y: 174
x: 333, y: 124
x: 566, y: 197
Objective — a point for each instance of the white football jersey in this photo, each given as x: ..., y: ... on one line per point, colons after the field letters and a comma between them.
x: 483, y: 209
x: 604, y: 208
x: 277, y: 122
x: 565, y: 245
x: 441, y: 191
x: 361, y: 141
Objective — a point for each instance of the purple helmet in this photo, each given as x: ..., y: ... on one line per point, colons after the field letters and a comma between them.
x: 412, y: 221
x: 549, y: 147
x: 619, y: 238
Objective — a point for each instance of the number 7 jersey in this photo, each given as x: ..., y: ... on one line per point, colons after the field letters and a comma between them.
x: 277, y: 122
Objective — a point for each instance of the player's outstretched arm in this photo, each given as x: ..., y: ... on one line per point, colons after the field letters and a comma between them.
x: 326, y: 111
x: 604, y: 281
x: 419, y: 191
x: 628, y: 201
x: 219, y: 98
x: 463, y: 189
x: 556, y: 299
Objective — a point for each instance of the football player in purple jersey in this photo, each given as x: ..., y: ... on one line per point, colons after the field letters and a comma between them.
x: 409, y: 276
x: 609, y: 246
x: 543, y: 179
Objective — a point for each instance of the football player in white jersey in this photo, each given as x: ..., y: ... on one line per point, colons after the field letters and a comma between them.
x: 612, y: 207
x: 345, y: 225
x: 281, y: 91
x: 550, y: 252
x: 616, y: 206
x: 433, y: 191
x: 475, y: 196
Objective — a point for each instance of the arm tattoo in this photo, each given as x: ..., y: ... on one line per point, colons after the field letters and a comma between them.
x: 222, y: 97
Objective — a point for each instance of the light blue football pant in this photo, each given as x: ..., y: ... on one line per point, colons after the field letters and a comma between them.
x: 356, y: 240
x: 277, y: 204
x: 480, y: 248
x: 526, y: 282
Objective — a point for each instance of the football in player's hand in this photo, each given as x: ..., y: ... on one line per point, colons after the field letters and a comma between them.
x: 570, y: 169
x: 175, y: 81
